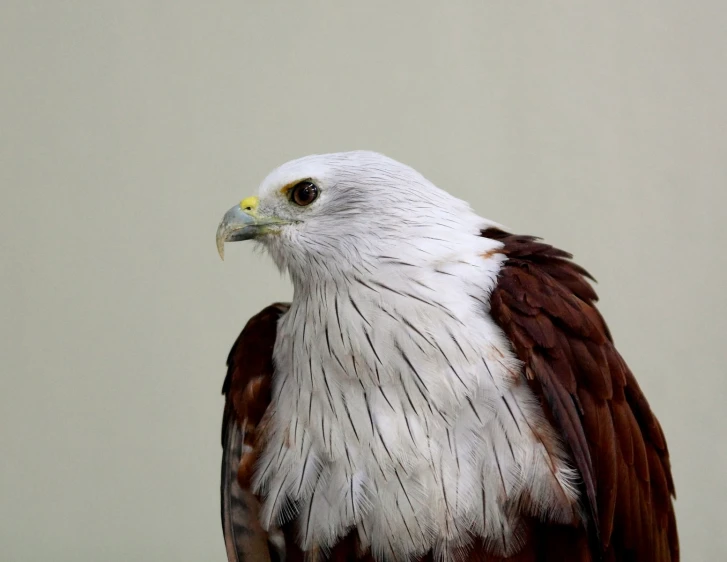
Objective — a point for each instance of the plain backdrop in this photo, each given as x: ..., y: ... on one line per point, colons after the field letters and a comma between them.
x: 128, y: 128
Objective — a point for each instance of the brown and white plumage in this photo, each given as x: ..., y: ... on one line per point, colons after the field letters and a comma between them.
x: 437, y: 388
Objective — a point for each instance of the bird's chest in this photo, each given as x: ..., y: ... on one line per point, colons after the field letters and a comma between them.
x: 404, y: 427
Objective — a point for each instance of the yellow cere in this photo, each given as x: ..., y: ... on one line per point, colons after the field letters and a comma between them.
x: 249, y: 204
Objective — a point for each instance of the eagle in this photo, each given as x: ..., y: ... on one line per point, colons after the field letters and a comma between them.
x: 439, y: 388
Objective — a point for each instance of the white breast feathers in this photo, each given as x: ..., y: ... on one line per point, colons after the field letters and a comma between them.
x: 400, y: 412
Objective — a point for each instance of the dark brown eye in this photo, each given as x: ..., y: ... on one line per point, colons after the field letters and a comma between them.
x: 304, y: 193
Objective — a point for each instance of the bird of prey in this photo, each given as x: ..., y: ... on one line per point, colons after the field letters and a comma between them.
x: 438, y: 388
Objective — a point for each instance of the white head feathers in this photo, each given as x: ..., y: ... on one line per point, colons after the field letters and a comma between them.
x: 368, y: 206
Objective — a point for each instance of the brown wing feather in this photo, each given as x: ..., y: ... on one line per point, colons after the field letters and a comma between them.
x: 247, y: 396
x: 545, y: 305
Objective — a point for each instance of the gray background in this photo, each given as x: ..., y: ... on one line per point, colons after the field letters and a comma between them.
x: 128, y: 128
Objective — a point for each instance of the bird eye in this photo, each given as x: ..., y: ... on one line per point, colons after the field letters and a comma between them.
x: 304, y: 193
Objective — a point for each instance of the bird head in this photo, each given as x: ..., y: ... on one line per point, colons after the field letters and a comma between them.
x: 326, y: 213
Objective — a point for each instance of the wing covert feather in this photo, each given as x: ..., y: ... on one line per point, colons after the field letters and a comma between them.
x: 545, y: 305
x: 247, y: 396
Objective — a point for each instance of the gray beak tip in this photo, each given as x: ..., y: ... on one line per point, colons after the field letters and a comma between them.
x: 236, y: 225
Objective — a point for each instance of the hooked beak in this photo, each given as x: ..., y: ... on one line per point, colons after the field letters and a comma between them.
x: 242, y: 222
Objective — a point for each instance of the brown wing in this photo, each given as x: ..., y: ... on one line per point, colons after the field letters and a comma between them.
x: 247, y: 396
x: 545, y: 305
